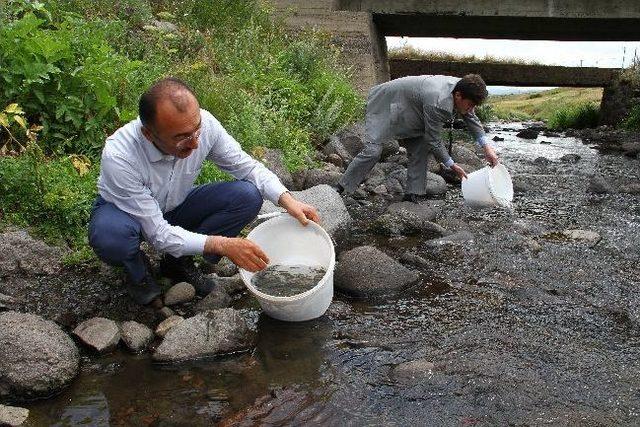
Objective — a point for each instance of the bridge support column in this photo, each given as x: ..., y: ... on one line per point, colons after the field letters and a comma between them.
x: 379, y: 52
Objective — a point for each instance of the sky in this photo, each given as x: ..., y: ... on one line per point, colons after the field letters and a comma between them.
x: 574, y: 54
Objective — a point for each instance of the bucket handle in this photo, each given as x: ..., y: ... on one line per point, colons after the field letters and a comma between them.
x: 270, y: 215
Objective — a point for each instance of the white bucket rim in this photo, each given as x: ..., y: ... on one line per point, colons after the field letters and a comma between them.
x: 499, y: 167
x: 304, y: 294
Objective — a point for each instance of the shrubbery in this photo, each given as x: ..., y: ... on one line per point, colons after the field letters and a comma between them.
x: 78, y: 67
x: 578, y: 117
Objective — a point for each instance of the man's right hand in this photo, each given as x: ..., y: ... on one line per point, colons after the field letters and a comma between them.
x: 459, y: 171
x: 242, y: 252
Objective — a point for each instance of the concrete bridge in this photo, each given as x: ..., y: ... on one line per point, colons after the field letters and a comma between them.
x: 507, y: 74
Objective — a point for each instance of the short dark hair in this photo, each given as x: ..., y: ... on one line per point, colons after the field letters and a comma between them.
x: 472, y: 87
x: 169, y: 87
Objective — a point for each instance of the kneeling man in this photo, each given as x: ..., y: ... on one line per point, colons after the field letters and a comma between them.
x: 146, y: 191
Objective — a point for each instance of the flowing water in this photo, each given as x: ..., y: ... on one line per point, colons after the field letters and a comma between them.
x: 513, y: 327
x: 287, y: 280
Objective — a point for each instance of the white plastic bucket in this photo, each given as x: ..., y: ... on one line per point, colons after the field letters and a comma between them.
x: 488, y: 187
x: 287, y: 242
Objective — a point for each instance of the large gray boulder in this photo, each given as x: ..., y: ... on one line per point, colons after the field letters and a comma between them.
x: 136, y: 336
x: 327, y: 174
x: 435, y: 185
x: 179, y: 293
x: 99, y: 333
x: 466, y: 156
x: 599, y: 185
x: 367, y: 272
x: 21, y: 254
x: 216, y: 299
x: 206, y: 334
x: 333, y: 213
x: 37, y: 358
x: 346, y: 143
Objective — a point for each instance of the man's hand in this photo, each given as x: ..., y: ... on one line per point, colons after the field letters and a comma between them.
x: 301, y: 211
x: 490, y: 155
x: 242, y: 252
x: 459, y: 171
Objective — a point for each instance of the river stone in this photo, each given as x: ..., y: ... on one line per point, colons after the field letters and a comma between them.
x: 464, y: 155
x: 217, y: 298
x: 570, y: 158
x: 327, y: 174
x: 366, y: 272
x: 99, y: 333
x: 528, y: 133
x: 37, y: 358
x: 425, y: 210
x: 346, y: 143
x: 231, y: 285
x: 334, y: 159
x: 497, y: 138
x: 226, y: 268
x: 333, y: 213
x: 414, y: 371
x: 12, y: 415
x: 136, y: 336
x: 274, y: 161
x: 630, y: 188
x: 599, y: 185
x: 206, y: 334
x: 165, y: 312
x: 406, y: 223
x: 631, y: 149
x: 166, y: 325
x: 180, y: 293
x: 541, y: 161
x: 435, y: 184
x: 20, y: 253
x: 7, y: 302
x: 584, y: 235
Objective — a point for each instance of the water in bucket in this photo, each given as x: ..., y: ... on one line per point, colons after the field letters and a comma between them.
x: 489, y: 186
x: 287, y: 280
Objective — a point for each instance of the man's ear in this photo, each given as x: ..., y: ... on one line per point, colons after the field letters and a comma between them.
x: 146, y: 132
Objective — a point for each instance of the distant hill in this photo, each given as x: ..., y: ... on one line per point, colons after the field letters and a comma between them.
x: 541, y: 105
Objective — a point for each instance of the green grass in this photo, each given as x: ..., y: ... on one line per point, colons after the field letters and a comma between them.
x: 78, y: 67
x: 575, y: 117
x: 410, y: 52
x: 542, y: 105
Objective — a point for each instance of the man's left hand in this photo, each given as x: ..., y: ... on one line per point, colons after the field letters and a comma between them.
x: 301, y: 211
x: 490, y: 155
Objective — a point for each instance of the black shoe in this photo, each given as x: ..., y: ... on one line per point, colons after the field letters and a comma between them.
x: 410, y: 197
x: 184, y: 270
x: 339, y: 188
x: 145, y: 292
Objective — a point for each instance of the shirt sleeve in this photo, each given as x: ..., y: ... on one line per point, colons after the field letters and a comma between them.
x: 475, y: 127
x: 227, y: 154
x: 433, y: 120
x: 123, y: 186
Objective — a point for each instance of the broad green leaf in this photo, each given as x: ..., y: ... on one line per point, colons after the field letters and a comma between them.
x: 21, y: 121
x: 13, y: 109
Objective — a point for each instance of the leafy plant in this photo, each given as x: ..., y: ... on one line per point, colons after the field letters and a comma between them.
x: 633, y: 119
x: 579, y: 117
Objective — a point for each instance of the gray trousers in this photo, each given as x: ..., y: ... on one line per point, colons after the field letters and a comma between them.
x: 418, y: 151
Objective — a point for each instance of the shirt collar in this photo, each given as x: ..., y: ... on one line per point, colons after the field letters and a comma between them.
x: 445, y: 101
x: 151, y: 150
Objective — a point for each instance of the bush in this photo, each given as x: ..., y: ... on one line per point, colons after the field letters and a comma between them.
x: 633, y: 119
x: 485, y: 113
x: 575, y: 117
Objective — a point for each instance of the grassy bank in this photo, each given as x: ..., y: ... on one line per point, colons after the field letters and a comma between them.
x: 72, y: 72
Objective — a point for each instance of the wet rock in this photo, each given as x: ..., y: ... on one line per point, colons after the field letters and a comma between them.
x: 299, y: 177
x: 629, y: 188
x: 406, y: 223
x: 415, y: 259
x: 230, y: 285
x: 425, y: 210
x: 274, y: 161
x: 532, y: 245
x: 599, y: 185
x: 165, y: 312
x: 338, y: 310
x: 377, y: 176
x: 584, y: 235
x: 333, y: 213
x: 360, y: 194
x: 522, y: 184
x: 455, y: 238
x: 327, y: 174
x: 435, y: 185
x: 463, y: 155
x: 394, y: 185
x: 497, y: 138
x: 206, y: 334
x: 136, y: 336
x: 98, y: 333
x: 414, y: 371
x: 334, y: 159
x: 180, y: 293
x: 389, y: 148
x: 226, y: 268
x: 380, y: 190
x: 570, y: 158
x: 545, y: 142
x: 37, y: 358
x: 7, y: 302
x: 217, y: 298
x: 13, y: 415
x: 529, y: 133
x: 367, y: 272
x: 400, y: 159
x: 21, y: 254
x: 541, y: 161
x: 631, y: 149
x: 167, y: 324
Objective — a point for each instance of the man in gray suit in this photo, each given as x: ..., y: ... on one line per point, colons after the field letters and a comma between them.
x: 413, y: 110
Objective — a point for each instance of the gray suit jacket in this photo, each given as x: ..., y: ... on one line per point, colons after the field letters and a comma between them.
x: 416, y: 106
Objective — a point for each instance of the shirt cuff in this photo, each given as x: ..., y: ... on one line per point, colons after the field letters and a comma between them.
x: 482, y: 140
x: 193, y: 243
x: 449, y: 162
x: 273, y: 191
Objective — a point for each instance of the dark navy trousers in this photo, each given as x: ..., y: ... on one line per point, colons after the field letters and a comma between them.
x: 211, y: 209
